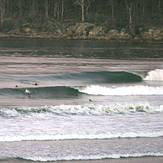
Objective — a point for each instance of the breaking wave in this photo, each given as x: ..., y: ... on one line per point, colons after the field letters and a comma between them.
x: 155, y: 75
x: 89, y: 109
x: 122, y: 90
x: 75, y: 92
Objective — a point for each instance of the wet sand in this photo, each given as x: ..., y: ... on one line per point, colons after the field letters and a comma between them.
x: 122, y: 160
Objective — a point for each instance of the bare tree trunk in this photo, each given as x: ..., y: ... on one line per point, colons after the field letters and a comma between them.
x: 62, y: 10
x: 112, y: 13
x: 46, y: 9
x: 130, y: 17
x: 2, y: 12
x: 159, y: 8
x: 129, y: 6
x: 83, y: 10
x: 84, y: 4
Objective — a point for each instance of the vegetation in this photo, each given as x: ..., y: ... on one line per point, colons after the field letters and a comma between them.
x: 56, y: 15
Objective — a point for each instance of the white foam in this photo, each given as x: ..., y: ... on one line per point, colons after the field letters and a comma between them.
x: 81, y: 122
x: 80, y: 136
x: 87, y: 109
x: 93, y: 157
x: 123, y: 90
x: 155, y: 75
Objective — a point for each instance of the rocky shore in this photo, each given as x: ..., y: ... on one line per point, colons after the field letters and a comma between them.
x: 88, y: 31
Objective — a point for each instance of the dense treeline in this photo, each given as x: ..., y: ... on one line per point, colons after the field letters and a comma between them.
x: 118, y: 14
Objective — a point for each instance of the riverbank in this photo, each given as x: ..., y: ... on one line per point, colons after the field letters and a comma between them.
x: 87, y: 31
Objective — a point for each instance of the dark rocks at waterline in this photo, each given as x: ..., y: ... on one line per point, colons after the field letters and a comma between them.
x: 153, y: 34
x: 88, y: 31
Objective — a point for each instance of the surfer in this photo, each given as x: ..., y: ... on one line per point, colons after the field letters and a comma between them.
x: 27, y: 92
x: 36, y: 84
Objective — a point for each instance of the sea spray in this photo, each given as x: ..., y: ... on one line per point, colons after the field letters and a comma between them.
x: 155, y: 75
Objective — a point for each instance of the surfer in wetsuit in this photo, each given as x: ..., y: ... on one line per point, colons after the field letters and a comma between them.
x: 27, y: 92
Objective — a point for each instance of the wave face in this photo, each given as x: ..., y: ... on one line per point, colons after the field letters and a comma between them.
x: 76, y: 92
x: 42, y: 92
x: 103, y: 77
x: 155, y: 75
x: 123, y: 90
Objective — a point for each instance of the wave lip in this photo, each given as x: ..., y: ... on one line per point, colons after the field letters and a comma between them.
x: 155, y: 75
x: 123, y: 90
x: 93, y: 157
x: 104, y: 77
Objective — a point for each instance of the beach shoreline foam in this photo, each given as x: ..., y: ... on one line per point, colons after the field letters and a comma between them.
x: 121, y: 160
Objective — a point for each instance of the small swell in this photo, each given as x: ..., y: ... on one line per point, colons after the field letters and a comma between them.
x: 102, y: 77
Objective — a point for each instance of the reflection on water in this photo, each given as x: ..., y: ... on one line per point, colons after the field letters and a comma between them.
x: 79, y: 49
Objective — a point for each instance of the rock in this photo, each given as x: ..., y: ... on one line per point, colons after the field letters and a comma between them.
x: 116, y: 35
x: 26, y: 30
x: 96, y: 31
x: 80, y: 29
x: 113, y: 32
x: 153, y: 34
x: 124, y: 36
x: 150, y: 31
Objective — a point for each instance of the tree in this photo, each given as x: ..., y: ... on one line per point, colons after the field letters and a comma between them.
x: 112, y: 13
x: 2, y: 12
x: 130, y: 11
x: 46, y: 9
x: 84, y: 4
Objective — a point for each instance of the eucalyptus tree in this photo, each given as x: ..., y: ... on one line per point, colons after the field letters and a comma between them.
x: 84, y: 5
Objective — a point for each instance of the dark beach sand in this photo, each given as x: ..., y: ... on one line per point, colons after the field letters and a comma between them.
x: 122, y: 160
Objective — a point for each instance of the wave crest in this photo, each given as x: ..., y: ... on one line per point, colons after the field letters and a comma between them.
x: 123, y: 90
x: 104, y: 77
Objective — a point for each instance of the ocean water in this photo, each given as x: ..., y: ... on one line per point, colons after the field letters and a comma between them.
x: 78, y: 100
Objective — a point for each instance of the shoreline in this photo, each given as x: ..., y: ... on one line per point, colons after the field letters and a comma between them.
x: 62, y: 37
x: 119, y: 160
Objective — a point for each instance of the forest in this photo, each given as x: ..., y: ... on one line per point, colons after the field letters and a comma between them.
x: 49, y: 15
